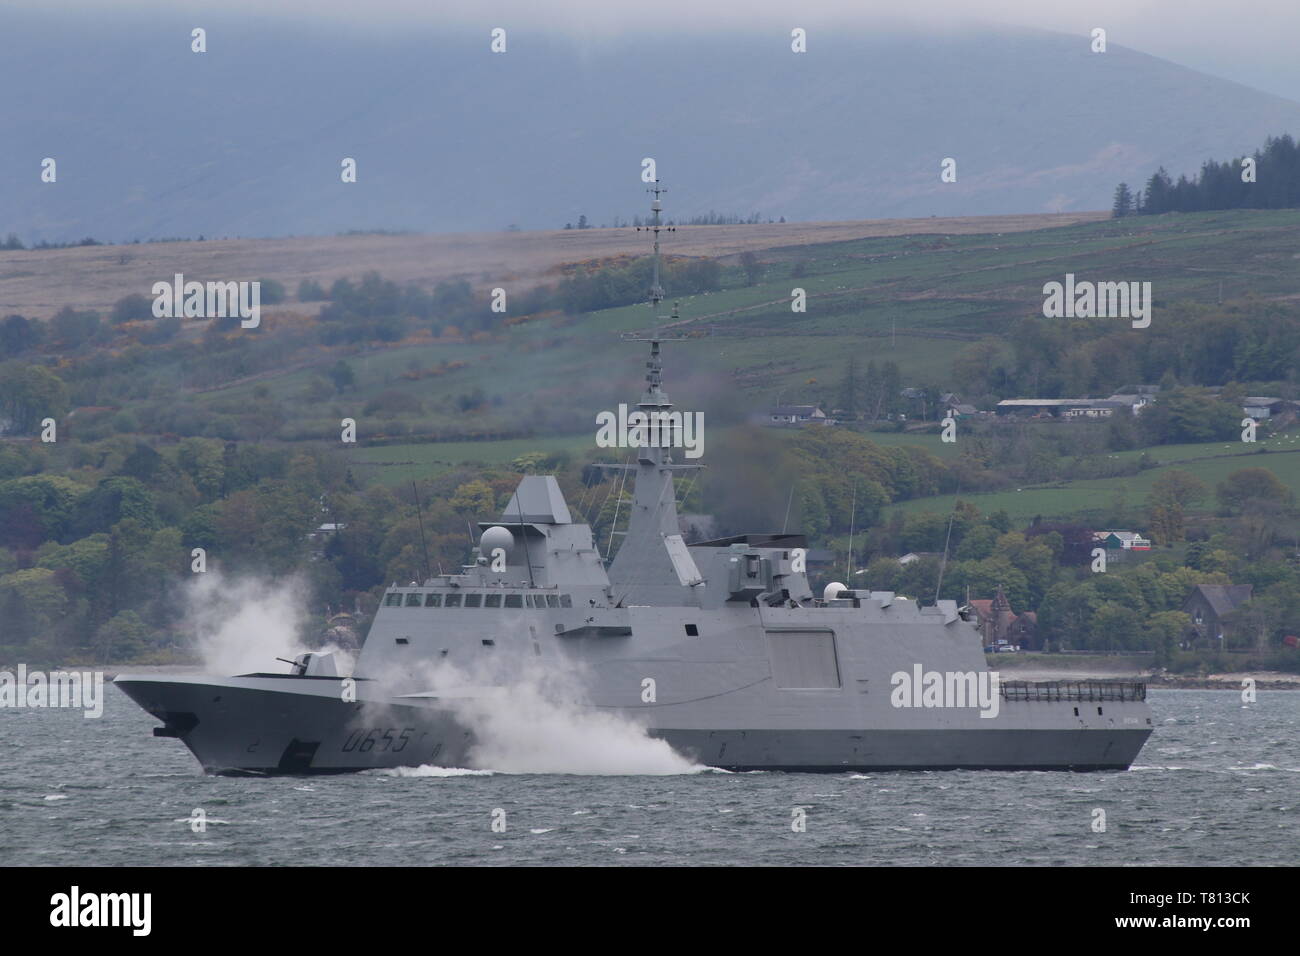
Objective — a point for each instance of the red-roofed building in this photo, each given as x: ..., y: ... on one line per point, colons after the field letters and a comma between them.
x: 996, y: 621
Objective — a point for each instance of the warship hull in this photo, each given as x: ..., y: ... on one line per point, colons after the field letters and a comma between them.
x: 831, y: 751
x: 272, y: 725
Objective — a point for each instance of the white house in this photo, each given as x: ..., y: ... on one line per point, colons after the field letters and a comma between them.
x: 1121, y: 540
x: 1261, y: 406
x: 796, y: 415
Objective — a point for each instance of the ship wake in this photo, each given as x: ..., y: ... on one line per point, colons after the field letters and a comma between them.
x: 537, y: 721
x: 529, y: 729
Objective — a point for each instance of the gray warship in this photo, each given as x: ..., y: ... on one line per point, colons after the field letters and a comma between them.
x: 720, y: 648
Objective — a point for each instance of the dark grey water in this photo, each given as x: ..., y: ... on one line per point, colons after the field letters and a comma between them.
x: 1218, y: 783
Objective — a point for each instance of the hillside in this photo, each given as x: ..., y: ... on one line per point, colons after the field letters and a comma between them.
x: 919, y: 301
x: 916, y: 301
x: 197, y: 434
x: 37, y: 283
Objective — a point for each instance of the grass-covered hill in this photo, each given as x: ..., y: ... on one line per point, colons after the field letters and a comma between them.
x: 175, y: 434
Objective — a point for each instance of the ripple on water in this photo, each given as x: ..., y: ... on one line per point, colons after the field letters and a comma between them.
x: 131, y: 797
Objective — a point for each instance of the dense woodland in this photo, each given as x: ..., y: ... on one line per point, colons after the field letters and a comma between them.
x: 95, y: 556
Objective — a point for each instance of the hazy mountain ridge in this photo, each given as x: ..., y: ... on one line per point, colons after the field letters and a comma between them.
x: 246, y: 139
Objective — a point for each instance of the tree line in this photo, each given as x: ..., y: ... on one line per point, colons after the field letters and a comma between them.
x: 1194, y: 344
x: 1269, y: 179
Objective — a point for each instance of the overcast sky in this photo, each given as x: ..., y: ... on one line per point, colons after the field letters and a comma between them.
x: 1255, y: 42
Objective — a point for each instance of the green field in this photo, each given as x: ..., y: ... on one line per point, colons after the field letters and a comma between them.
x: 915, y: 300
x: 400, y: 464
x: 930, y: 442
x: 1213, y: 463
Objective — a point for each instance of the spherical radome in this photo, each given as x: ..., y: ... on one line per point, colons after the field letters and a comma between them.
x: 496, y: 537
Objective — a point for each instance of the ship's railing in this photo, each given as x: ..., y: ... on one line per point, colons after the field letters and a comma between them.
x: 1091, y: 690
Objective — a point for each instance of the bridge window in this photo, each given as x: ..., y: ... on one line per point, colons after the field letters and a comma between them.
x: 453, y: 600
x: 492, y: 600
x: 393, y: 600
x: 514, y: 600
x: 433, y: 600
x: 692, y: 630
x: 552, y: 601
x: 566, y: 601
x: 473, y: 600
x: 413, y: 599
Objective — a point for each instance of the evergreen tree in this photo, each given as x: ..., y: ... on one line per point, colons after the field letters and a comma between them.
x: 850, y: 389
x: 871, y: 391
x: 1123, y: 205
x: 1157, y: 192
x: 891, y: 383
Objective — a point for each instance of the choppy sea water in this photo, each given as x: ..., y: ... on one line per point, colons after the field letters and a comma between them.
x: 1218, y: 783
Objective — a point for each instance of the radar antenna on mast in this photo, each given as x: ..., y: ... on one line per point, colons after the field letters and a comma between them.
x: 656, y: 293
x: 656, y: 226
x: 654, y: 400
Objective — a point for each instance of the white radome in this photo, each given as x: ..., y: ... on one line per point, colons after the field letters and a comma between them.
x: 496, y: 537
